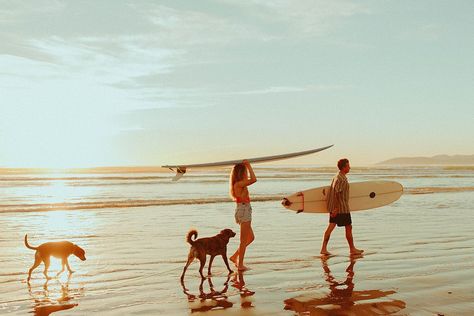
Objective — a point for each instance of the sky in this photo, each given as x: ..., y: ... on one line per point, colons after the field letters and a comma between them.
x: 149, y: 83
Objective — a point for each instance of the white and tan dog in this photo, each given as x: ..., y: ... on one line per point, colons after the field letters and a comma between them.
x: 60, y: 249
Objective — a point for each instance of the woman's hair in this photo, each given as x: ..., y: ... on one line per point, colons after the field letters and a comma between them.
x: 237, y: 174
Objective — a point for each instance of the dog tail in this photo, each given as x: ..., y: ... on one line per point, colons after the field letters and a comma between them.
x: 191, y: 235
x: 27, y: 245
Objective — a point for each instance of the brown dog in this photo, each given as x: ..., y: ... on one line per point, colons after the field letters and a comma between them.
x: 213, y: 246
x: 60, y: 249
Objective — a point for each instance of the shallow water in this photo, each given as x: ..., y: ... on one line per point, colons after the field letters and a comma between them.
x: 419, y: 250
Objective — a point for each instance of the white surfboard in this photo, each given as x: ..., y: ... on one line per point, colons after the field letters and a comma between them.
x: 181, y: 169
x: 362, y: 196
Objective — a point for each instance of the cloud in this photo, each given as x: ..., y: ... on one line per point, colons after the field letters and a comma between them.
x: 40, y: 30
x: 160, y: 53
x: 293, y: 89
x: 197, y: 27
x: 304, y: 18
x: 111, y: 27
x: 167, y: 26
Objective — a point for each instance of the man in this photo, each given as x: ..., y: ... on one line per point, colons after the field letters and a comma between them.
x: 338, y: 208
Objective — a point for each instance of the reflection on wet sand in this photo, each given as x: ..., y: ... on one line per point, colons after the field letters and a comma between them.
x: 211, y: 300
x: 342, y: 299
x: 53, y: 298
x: 218, y: 300
x: 245, y: 294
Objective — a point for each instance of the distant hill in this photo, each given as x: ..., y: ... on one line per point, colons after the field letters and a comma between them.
x: 435, y: 160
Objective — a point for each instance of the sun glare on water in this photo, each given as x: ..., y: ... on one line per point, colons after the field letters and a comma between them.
x: 57, y: 198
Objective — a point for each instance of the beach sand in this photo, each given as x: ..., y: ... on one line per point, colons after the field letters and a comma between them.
x: 419, y: 260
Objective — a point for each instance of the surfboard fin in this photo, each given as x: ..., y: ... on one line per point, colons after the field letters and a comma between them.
x: 180, y: 171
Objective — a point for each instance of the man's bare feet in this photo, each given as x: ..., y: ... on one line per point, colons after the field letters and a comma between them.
x: 325, y: 253
x: 356, y: 251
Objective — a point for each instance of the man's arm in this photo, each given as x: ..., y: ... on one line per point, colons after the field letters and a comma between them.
x: 336, y: 191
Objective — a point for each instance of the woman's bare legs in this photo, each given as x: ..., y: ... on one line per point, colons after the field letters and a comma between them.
x: 246, y: 238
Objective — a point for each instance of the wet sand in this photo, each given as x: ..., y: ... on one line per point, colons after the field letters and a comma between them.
x: 419, y: 260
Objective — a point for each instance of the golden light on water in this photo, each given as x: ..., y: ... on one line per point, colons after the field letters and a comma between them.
x: 59, y: 191
x: 58, y: 220
x: 52, y: 191
x: 62, y: 220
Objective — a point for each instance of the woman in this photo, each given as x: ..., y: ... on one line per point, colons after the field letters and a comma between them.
x: 239, y: 181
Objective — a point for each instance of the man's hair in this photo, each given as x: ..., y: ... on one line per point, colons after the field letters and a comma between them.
x: 342, y: 163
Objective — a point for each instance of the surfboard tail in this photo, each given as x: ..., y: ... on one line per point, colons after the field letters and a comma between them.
x: 180, y: 171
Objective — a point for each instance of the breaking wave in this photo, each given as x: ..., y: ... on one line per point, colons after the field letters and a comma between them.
x: 130, y: 203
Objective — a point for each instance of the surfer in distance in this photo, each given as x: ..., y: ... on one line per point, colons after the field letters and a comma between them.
x: 241, y: 177
x: 338, y: 208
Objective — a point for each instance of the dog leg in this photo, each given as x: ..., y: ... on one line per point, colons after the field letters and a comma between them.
x: 201, y: 289
x: 224, y: 257
x: 210, y: 265
x: 38, y: 261
x: 63, y: 263
x: 211, y: 285
x: 190, y: 260
x: 202, y: 258
x: 46, y: 267
x: 68, y: 267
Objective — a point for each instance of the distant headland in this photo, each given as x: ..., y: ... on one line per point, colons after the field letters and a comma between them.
x: 435, y: 160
